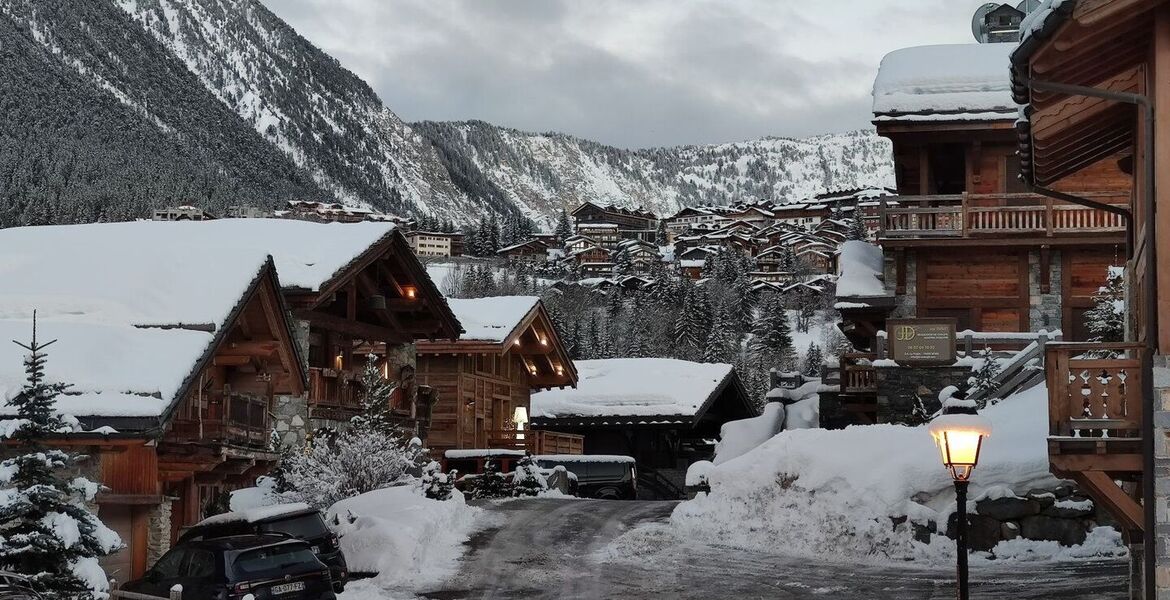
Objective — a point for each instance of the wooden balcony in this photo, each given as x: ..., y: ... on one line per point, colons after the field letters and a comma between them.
x: 236, y: 419
x: 1095, y: 420
x: 857, y: 374
x: 536, y: 441
x: 967, y: 216
x: 333, y: 389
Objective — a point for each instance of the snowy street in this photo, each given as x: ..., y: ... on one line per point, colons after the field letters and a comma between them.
x: 563, y: 549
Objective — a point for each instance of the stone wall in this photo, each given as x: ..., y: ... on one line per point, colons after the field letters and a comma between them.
x: 1162, y: 478
x: 158, y: 531
x: 906, y: 303
x: 909, y: 395
x: 1061, y: 514
x: 1044, y: 309
x: 290, y: 418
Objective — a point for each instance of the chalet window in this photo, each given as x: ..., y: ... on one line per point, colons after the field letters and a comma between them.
x: 948, y: 168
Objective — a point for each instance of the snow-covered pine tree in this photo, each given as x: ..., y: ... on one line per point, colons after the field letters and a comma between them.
x: 622, y: 264
x: 660, y: 238
x: 813, y: 360
x: 528, y: 480
x: 46, y: 530
x: 376, y: 392
x: 1106, y: 320
x: 857, y: 227
x: 563, y: 229
x: 491, y: 483
x: 984, y: 377
x: 720, y: 344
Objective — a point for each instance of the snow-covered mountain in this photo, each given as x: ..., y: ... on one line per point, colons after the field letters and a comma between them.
x: 541, y: 173
x: 219, y: 102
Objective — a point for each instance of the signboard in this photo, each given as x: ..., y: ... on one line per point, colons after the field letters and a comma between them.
x: 921, y: 341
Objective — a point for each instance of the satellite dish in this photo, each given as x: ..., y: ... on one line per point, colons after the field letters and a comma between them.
x: 1027, y: 6
x: 979, y: 21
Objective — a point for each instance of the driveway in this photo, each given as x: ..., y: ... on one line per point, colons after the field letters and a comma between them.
x: 566, y: 549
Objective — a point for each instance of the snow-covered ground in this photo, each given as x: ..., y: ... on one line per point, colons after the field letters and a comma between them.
x: 833, y: 493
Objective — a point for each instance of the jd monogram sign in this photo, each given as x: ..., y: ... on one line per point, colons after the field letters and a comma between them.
x: 922, y: 341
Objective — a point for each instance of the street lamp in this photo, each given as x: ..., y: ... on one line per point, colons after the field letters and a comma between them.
x: 959, y: 434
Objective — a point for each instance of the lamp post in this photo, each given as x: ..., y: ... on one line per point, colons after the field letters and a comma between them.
x: 959, y: 434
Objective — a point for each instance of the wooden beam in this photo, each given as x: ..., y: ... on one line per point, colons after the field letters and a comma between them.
x: 250, y: 348
x: 364, y: 331
x: 1101, y: 487
x: 232, y: 360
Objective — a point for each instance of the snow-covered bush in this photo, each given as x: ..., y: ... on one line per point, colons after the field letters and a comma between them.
x: 357, y: 461
x: 1106, y: 320
x: 46, y: 530
x: 984, y: 378
x: 436, y: 484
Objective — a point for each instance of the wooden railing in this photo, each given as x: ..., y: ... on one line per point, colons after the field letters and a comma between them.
x: 973, y: 215
x: 1093, y: 397
x: 857, y: 374
x: 232, y: 418
x: 334, y: 388
x: 536, y: 441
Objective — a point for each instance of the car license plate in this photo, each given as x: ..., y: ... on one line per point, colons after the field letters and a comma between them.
x: 284, y: 588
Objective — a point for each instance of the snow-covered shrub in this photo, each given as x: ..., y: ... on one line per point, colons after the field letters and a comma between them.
x: 357, y: 461
x: 527, y: 481
x: 984, y: 378
x: 436, y: 484
x: 1106, y: 320
x: 46, y: 528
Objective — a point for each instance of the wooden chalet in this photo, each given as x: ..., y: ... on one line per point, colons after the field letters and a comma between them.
x: 176, y: 351
x: 485, y: 378
x: 666, y: 413
x: 532, y: 251
x: 631, y: 223
x: 967, y: 239
x: 1094, y: 77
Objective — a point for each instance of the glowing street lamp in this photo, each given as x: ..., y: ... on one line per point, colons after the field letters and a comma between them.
x: 959, y: 434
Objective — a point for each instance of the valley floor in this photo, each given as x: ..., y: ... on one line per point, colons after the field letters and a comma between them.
x: 596, y: 549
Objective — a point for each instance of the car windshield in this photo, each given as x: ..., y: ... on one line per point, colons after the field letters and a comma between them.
x: 273, y: 559
x: 308, y: 526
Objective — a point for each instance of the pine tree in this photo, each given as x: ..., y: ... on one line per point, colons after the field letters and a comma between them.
x: 436, y: 484
x: 813, y: 360
x: 376, y: 393
x: 527, y: 480
x: 660, y: 238
x: 857, y: 228
x: 720, y: 344
x: 984, y: 378
x: 491, y: 483
x: 46, y: 530
x: 1106, y: 320
x: 563, y: 229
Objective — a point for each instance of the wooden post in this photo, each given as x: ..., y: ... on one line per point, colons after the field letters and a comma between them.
x: 968, y: 344
x: 880, y: 346
x: 176, y: 592
x: 965, y: 215
x: 1048, y: 216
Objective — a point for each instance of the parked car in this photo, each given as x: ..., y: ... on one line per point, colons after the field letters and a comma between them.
x: 606, y: 476
x: 14, y: 586
x: 298, y: 520
x: 229, y: 568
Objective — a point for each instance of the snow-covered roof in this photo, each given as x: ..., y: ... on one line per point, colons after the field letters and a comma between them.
x: 951, y: 82
x: 632, y: 387
x: 859, y: 268
x: 106, y: 292
x: 584, y: 458
x: 491, y: 319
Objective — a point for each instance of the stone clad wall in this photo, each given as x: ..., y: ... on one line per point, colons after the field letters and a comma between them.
x: 909, y: 395
x: 907, y: 304
x: 1044, y: 309
x: 1162, y: 478
x: 290, y: 414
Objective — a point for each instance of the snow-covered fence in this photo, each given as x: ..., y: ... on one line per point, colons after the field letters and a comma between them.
x: 115, y: 594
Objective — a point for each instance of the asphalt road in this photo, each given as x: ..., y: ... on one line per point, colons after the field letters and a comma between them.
x: 563, y: 549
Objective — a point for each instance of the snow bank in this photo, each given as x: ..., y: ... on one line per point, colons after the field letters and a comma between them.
x: 738, y: 437
x: 832, y: 493
x: 491, y: 319
x: 633, y: 387
x: 407, y: 539
x: 965, y: 82
x: 859, y: 270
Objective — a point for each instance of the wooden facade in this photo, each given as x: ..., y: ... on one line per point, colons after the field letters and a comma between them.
x: 1095, y: 76
x: 480, y: 383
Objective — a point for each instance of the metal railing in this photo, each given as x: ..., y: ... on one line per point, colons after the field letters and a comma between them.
x: 973, y: 215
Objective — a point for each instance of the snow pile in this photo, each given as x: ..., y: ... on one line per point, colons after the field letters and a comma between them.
x: 404, y: 537
x: 738, y: 437
x: 833, y: 493
x: 804, y: 414
x: 953, y: 82
x: 634, y: 387
x: 859, y: 270
x: 491, y: 319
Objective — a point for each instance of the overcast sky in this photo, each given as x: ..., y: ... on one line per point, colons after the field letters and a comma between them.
x: 632, y: 73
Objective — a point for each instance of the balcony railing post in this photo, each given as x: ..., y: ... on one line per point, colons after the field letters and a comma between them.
x: 1048, y: 216
x: 965, y: 215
